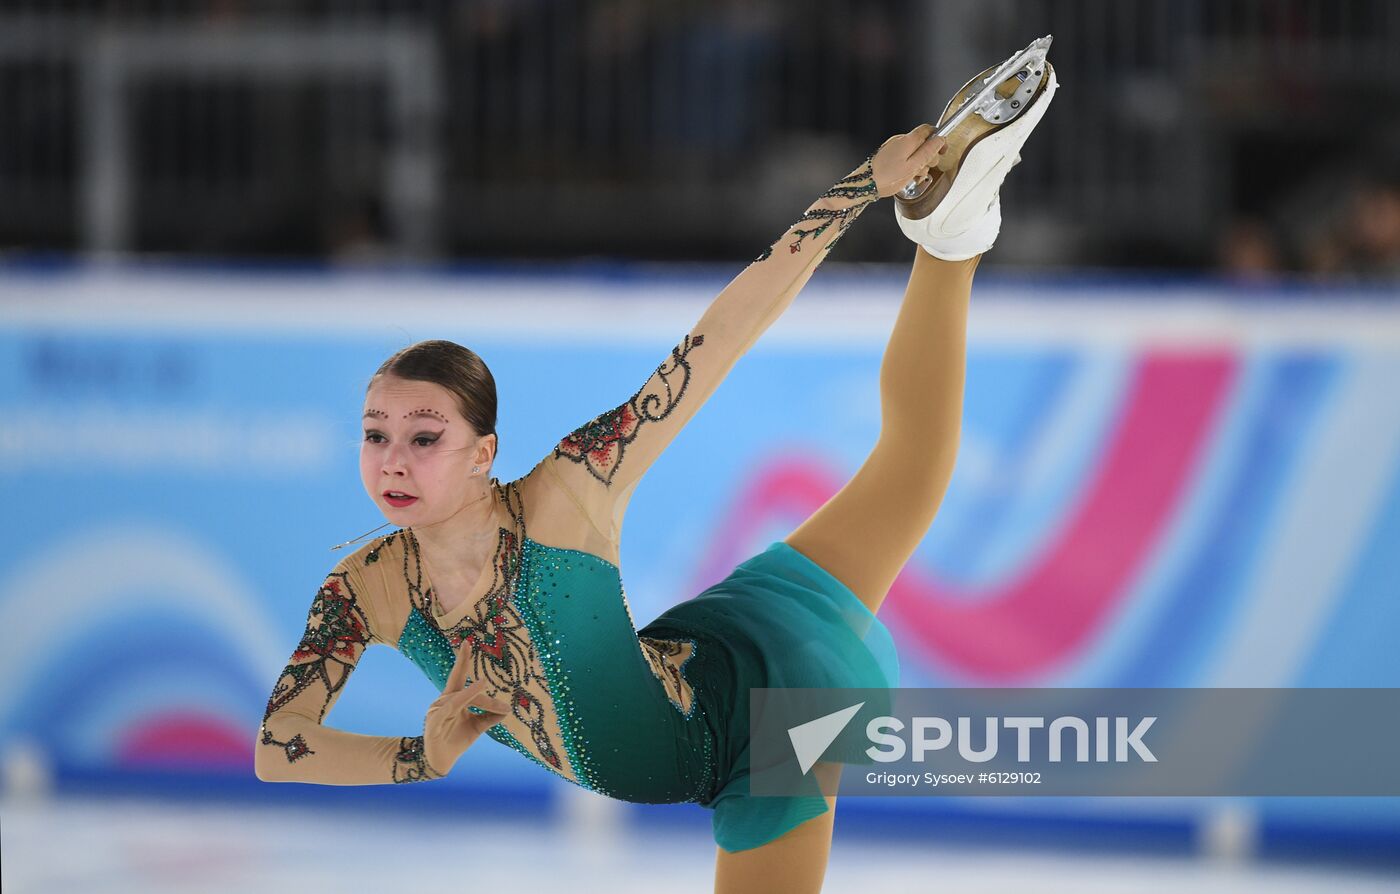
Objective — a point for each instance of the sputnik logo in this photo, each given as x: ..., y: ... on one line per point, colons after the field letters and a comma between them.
x: 811, y: 739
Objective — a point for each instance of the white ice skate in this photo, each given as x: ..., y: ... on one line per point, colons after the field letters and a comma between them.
x: 955, y: 212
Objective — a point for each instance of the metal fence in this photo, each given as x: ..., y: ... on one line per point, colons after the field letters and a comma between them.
x: 683, y: 130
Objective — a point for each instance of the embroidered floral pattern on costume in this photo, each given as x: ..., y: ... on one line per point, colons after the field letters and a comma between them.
x: 599, y: 445
x: 296, y: 748
x: 410, y: 764
x: 859, y: 184
x: 373, y: 555
x: 337, y: 633
x: 502, y: 652
x: 667, y: 659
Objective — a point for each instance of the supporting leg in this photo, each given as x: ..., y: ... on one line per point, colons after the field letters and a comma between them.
x: 866, y: 533
x: 794, y: 863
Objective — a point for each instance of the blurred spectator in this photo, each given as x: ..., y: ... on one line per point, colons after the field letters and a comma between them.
x: 1181, y: 113
x: 1250, y: 250
x: 1375, y: 229
x: 1366, y: 241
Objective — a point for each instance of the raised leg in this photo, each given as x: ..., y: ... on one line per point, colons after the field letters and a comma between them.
x: 866, y: 533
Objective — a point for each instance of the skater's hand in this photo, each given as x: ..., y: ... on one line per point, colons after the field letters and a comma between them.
x: 904, y: 157
x: 450, y: 728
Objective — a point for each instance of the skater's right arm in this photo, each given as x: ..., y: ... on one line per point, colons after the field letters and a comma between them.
x: 293, y: 745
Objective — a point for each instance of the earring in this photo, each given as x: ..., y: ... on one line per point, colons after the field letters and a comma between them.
x: 476, y: 468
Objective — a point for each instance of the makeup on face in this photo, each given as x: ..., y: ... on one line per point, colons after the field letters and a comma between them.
x: 433, y: 436
x: 391, y: 491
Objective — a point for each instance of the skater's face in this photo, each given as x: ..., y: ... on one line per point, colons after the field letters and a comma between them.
x: 415, y: 441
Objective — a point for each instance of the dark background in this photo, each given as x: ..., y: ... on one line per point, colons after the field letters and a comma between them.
x: 1250, y: 137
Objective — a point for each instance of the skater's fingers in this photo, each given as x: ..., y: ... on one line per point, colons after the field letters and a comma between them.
x: 491, y: 716
x: 477, y: 724
x: 918, y: 138
x: 930, y: 150
x: 481, y: 699
x: 457, y: 677
x: 479, y: 695
x: 906, y: 143
x: 902, y: 157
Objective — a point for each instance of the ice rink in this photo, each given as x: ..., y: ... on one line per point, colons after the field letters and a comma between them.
x: 141, y: 845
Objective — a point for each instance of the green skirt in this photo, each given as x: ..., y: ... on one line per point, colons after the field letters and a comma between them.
x: 779, y: 620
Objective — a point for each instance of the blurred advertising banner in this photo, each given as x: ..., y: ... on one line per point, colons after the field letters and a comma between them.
x: 1158, y: 485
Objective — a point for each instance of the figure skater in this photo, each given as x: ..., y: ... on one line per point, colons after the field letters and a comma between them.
x: 509, y: 596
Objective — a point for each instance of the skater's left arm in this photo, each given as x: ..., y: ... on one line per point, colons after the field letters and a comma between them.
x: 601, y: 462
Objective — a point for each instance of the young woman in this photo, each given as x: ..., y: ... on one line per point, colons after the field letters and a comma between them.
x: 509, y: 596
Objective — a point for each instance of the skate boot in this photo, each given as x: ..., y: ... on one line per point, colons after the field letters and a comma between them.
x: 954, y: 211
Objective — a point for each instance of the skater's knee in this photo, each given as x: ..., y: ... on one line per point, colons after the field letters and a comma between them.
x: 913, y: 468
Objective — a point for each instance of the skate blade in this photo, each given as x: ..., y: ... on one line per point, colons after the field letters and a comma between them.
x: 989, y: 101
x: 1001, y: 94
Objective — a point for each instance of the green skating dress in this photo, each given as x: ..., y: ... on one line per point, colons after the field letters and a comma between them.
x: 654, y: 715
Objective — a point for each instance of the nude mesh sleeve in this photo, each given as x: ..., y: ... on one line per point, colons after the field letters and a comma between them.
x: 293, y: 744
x: 601, y: 462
